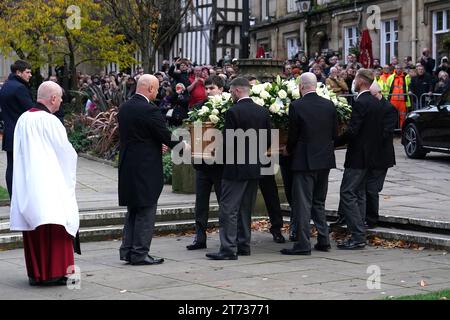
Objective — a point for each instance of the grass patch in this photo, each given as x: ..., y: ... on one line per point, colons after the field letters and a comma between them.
x: 438, y: 295
x: 4, y: 195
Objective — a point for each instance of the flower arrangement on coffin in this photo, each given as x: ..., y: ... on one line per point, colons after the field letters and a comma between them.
x: 213, y: 111
x: 210, y: 115
x: 276, y: 97
x: 343, y: 109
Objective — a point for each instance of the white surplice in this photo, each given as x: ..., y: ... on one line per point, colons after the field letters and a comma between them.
x: 44, y: 174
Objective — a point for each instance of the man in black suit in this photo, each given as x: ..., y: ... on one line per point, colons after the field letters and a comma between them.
x: 364, y: 138
x: 242, y: 170
x: 312, y: 131
x: 427, y: 61
x: 142, y: 133
x: 15, y: 99
x: 206, y: 176
x: 377, y: 175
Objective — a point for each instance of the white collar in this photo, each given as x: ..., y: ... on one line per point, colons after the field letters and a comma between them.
x: 362, y: 93
x: 243, y: 98
x: 144, y: 97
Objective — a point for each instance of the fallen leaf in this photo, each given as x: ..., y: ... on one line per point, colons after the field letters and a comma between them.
x: 423, y: 283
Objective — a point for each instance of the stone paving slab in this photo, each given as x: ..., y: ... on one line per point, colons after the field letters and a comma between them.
x: 266, y: 274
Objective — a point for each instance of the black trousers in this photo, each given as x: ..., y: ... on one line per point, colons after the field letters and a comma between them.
x: 269, y: 191
x: 137, y: 233
x: 352, y: 200
x: 9, y: 171
x: 237, y: 203
x: 309, y: 192
x: 204, y: 180
x: 287, y: 175
x: 374, y: 185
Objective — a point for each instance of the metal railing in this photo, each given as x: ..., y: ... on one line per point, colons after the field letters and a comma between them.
x: 426, y: 99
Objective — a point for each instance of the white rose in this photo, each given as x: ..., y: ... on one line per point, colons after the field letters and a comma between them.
x: 203, y: 110
x: 217, y: 99
x: 274, y: 108
x: 257, y: 88
x: 267, y: 86
x: 282, y: 94
x: 296, y: 93
x: 264, y: 94
x: 215, y: 112
x: 214, y: 119
x: 226, y: 96
x: 258, y: 101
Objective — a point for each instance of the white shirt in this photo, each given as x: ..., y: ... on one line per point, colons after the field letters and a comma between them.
x: 243, y: 98
x: 361, y: 93
x: 44, y: 176
x: 144, y: 97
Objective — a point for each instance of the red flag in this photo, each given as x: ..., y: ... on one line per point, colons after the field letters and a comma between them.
x: 365, y: 50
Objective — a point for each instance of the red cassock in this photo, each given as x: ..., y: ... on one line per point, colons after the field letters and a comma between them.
x: 48, y: 252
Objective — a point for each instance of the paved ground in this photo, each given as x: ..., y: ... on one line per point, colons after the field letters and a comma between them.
x: 413, y: 188
x: 266, y: 274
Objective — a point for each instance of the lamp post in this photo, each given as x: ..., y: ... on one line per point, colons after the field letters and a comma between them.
x: 304, y: 7
x: 245, y: 41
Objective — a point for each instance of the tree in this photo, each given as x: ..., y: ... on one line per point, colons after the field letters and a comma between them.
x: 56, y: 32
x: 148, y: 23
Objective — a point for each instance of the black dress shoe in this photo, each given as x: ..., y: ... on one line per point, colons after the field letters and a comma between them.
x: 278, y: 237
x: 351, y: 245
x: 320, y: 247
x: 243, y: 252
x: 293, y: 252
x: 149, y: 260
x: 196, y: 246
x: 339, y: 222
x: 369, y: 225
x: 222, y: 256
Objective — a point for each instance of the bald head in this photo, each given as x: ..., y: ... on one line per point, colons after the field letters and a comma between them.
x: 375, y: 90
x: 50, y: 95
x: 308, y: 82
x: 148, y: 86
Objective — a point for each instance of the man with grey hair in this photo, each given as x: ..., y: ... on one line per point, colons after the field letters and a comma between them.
x: 240, y: 179
x: 312, y: 131
x: 364, y: 139
x: 44, y: 160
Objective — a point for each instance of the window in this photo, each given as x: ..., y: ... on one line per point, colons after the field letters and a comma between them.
x: 441, y: 26
x: 350, y: 39
x: 291, y: 6
x: 389, y: 41
x: 292, y: 48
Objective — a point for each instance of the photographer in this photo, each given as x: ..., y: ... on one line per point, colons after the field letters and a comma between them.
x: 179, y: 72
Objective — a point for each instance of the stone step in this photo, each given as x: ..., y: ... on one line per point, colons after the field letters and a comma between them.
x: 116, y: 216
x: 13, y: 240
x: 388, y: 218
x: 437, y: 241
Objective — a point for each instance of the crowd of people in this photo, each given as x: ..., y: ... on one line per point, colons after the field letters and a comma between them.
x: 149, y: 103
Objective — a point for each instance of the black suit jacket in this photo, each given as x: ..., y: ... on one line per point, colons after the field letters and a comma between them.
x: 15, y: 99
x: 390, y: 117
x: 245, y: 115
x: 142, y: 133
x: 312, y: 131
x: 364, y: 134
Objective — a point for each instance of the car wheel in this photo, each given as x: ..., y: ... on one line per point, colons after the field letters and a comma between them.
x: 413, y: 147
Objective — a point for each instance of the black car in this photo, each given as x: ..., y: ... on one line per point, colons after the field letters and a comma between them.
x: 428, y: 129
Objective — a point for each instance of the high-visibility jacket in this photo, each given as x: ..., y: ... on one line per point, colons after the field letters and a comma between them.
x: 406, y: 84
x: 382, y: 81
